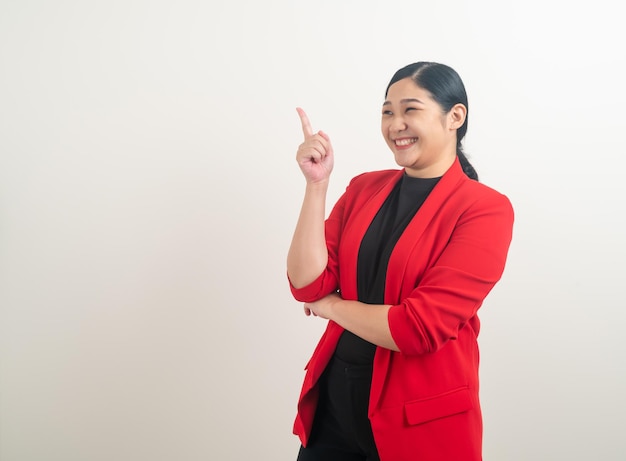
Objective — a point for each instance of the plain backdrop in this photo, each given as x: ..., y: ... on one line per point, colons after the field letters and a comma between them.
x: 148, y: 192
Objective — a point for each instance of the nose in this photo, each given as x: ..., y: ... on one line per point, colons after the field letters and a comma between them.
x: 397, y: 124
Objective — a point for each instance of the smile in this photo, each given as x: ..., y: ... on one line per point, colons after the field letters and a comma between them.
x: 405, y: 142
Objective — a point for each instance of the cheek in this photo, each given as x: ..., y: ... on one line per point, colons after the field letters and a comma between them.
x: 386, y: 125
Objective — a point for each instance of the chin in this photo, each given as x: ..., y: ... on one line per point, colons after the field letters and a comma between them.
x: 402, y: 160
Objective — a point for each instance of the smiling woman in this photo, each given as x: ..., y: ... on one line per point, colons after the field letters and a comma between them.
x: 421, y: 136
x: 440, y: 93
x: 399, y: 268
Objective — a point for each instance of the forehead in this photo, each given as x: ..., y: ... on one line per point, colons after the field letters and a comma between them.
x: 407, y: 89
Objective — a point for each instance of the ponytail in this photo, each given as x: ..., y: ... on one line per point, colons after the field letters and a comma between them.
x: 468, y: 169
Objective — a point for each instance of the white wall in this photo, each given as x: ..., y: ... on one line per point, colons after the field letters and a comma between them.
x: 148, y: 191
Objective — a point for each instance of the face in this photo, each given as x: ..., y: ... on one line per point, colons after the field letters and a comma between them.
x: 421, y: 136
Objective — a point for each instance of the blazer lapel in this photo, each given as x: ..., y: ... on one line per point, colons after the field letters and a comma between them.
x: 420, y: 222
x: 400, y: 258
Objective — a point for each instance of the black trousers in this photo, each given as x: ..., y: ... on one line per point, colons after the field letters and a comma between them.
x: 341, y: 429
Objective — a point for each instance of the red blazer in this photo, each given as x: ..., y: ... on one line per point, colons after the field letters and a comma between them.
x: 424, y: 399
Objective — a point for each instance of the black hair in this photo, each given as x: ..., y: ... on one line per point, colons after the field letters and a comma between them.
x: 446, y: 87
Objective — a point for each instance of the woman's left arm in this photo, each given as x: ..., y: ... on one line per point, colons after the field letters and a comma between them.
x: 368, y: 321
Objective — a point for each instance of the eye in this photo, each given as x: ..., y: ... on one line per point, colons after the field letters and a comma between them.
x: 387, y: 112
x: 410, y: 109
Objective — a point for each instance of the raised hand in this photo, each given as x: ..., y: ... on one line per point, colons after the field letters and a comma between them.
x: 315, y: 154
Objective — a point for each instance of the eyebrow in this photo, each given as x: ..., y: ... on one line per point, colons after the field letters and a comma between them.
x: 404, y: 101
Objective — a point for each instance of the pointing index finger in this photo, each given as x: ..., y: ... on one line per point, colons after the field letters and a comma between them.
x: 306, y: 124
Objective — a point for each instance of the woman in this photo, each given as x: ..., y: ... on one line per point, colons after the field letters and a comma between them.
x: 399, y: 268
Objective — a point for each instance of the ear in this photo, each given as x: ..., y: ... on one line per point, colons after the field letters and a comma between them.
x: 456, y: 116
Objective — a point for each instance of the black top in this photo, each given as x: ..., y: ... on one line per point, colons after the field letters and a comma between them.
x: 394, y: 215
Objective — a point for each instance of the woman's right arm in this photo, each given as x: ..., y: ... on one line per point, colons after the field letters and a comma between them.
x: 308, y: 255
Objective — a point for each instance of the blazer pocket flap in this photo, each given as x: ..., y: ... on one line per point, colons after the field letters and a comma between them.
x: 439, y: 406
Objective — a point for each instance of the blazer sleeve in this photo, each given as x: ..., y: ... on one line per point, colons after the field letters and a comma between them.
x: 451, y: 291
x: 328, y: 281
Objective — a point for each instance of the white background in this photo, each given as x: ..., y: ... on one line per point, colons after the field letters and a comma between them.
x: 148, y: 191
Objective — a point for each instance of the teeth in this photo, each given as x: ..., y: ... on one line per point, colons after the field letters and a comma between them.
x: 405, y: 142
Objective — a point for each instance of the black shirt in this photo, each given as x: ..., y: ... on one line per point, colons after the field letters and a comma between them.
x: 394, y: 215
